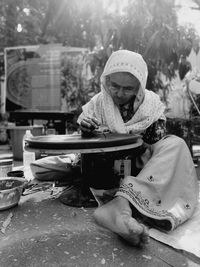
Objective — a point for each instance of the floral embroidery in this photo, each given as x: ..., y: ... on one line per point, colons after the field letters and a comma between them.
x: 143, y: 204
x: 158, y: 202
x: 187, y: 206
x: 150, y: 178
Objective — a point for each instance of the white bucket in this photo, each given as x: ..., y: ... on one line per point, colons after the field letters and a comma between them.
x: 17, y: 133
x: 6, y: 165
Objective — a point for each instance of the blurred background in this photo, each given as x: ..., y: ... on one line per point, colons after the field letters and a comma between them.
x: 52, y: 54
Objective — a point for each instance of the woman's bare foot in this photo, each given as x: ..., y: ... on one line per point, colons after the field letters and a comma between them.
x: 116, y: 216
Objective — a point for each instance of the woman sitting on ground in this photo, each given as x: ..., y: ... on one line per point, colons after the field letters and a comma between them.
x: 165, y: 192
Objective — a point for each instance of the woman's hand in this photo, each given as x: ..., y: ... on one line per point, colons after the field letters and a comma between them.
x: 88, y: 125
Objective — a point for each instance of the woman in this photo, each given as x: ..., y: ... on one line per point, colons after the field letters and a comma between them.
x: 164, y: 193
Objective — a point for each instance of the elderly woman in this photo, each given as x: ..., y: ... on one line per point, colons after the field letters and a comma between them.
x: 164, y: 193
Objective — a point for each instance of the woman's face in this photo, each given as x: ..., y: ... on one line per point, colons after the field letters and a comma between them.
x: 122, y: 87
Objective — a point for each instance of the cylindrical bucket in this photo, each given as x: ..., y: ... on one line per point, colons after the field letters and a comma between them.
x: 16, y: 135
x: 6, y: 166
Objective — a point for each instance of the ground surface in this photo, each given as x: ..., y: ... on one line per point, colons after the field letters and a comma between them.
x: 44, y: 232
x: 41, y: 231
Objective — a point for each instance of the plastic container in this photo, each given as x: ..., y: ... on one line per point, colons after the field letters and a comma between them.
x: 6, y: 166
x: 17, y: 133
x: 28, y: 157
x: 50, y: 128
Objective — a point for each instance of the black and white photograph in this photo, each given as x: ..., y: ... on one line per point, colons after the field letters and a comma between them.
x: 99, y: 133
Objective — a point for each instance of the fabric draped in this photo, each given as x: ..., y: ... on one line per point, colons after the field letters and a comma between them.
x: 147, y: 106
x: 165, y: 190
x: 101, y: 106
x: 148, y: 112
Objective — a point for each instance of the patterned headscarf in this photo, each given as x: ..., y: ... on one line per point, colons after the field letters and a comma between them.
x: 147, y: 106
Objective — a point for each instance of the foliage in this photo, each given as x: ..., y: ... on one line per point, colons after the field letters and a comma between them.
x: 46, y: 21
x: 76, y: 85
x: 142, y: 26
x: 149, y: 27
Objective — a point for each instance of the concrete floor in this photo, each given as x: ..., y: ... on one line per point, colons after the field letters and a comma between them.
x: 41, y: 231
x: 44, y: 232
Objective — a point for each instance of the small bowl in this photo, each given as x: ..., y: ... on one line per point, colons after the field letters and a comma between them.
x: 10, y: 191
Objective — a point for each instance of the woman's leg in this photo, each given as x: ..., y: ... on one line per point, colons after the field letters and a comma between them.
x: 165, y: 191
x: 117, y: 216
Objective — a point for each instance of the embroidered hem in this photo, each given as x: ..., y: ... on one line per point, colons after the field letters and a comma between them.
x: 143, y: 206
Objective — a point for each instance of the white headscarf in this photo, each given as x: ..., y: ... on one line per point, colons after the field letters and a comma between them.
x: 147, y: 106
